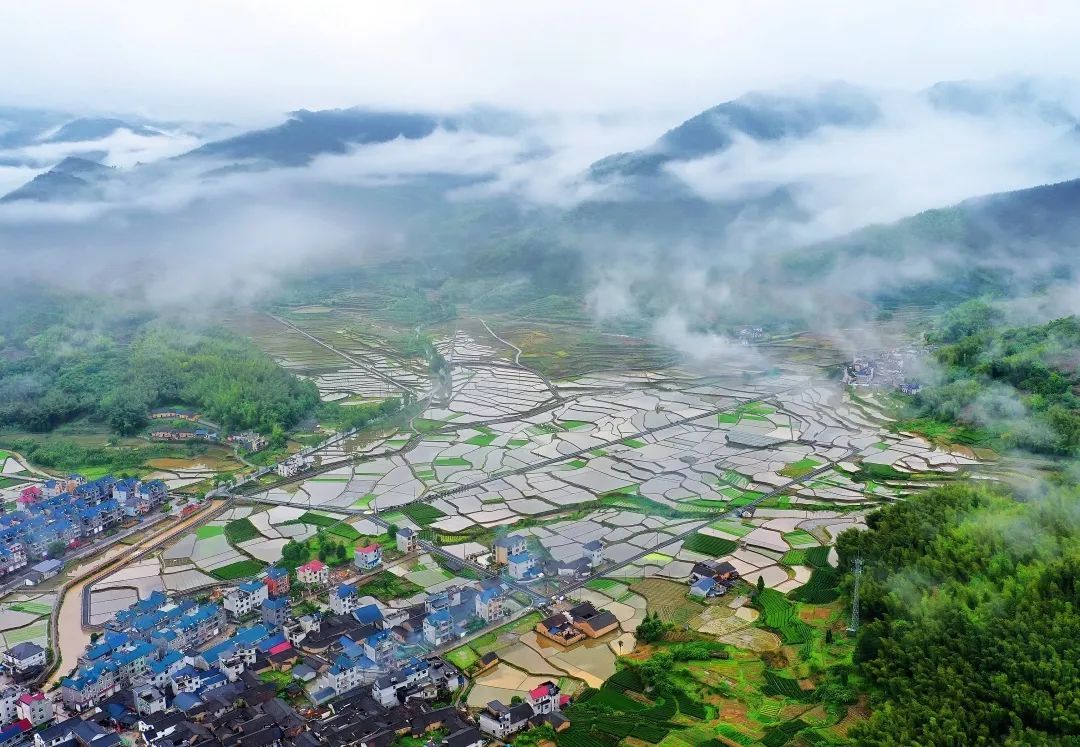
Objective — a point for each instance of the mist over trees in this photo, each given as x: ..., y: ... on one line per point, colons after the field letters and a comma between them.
x: 114, y: 368
x: 971, y: 633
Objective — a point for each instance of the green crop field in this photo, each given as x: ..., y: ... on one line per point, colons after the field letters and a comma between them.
x: 240, y: 530
x: 708, y: 545
x: 239, y: 569
x: 206, y: 532
x: 822, y: 588
x: 452, y: 462
x: 423, y: 514
x: 800, y: 468
x: 800, y: 539
x: 778, y: 613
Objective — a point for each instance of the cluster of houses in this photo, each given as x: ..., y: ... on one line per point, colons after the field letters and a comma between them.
x: 175, y: 413
x: 574, y: 624
x: 366, y: 641
x: 70, y: 511
x: 249, y: 440
x: 294, y: 465
x: 177, y: 670
x: 183, y: 433
x: 512, y: 551
x: 711, y: 578
x: 881, y: 370
x: 542, y: 705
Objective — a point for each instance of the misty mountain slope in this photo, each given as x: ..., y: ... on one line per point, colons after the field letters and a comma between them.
x: 20, y: 126
x: 311, y: 133
x: 1001, y: 244
x: 96, y: 128
x: 757, y: 116
x: 73, y: 178
x: 995, y: 98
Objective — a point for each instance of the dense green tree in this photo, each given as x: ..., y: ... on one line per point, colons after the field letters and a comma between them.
x: 971, y: 615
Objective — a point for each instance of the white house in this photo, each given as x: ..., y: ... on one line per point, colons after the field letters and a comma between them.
x: 367, y: 558
x: 522, y: 566
x: 345, y: 599
x: 314, y: 572
x: 407, y: 540
x: 24, y: 656
x: 246, y: 598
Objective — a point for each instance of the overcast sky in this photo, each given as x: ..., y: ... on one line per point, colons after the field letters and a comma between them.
x: 247, y: 60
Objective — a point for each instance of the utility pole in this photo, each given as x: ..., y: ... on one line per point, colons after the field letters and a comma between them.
x: 856, y: 566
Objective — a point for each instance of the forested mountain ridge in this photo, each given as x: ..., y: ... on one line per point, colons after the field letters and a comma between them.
x: 62, y: 361
x: 971, y: 610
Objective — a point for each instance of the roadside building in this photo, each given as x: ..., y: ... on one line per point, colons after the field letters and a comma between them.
x: 506, y: 547
x: 368, y: 557
x: 313, y: 572
x: 407, y: 540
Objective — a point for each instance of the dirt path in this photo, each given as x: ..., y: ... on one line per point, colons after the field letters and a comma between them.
x: 68, y: 638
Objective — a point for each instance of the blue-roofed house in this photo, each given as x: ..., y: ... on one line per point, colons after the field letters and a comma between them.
x: 344, y: 599
x: 160, y: 671
x: 704, y: 587
x: 275, y: 611
x: 246, y: 598
x: 381, y: 648
x: 89, y: 685
x: 347, y: 673
x: 369, y: 614
x: 522, y: 566
x: 439, y: 628
x: 131, y: 662
x: 490, y: 604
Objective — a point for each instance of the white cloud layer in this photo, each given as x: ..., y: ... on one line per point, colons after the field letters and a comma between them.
x: 250, y: 59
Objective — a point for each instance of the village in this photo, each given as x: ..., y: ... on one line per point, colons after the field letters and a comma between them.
x: 457, y: 582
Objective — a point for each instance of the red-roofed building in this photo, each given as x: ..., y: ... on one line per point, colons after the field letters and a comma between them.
x: 285, y: 646
x: 34, y: 709
x: 367, y: 558
x: 544, y: 698
x: 29, y: 495
x: 314, y: 572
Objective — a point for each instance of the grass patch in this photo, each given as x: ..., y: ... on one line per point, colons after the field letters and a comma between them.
x: 423, y: 425
x: 385, y: 586
x: 239, y: 569
x: 800, y: 539
x: 800, y: 468
x: 601, y: 584
x: 462, y: 658
x: 452, y: 462
x: 423, y: 513
x: 733, y: 527
x: 365, y: 501
x: 708, y: 545
x: 240, y: 530
x: 32, y: 608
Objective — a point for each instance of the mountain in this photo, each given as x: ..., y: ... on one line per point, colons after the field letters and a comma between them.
x: 1001, y: 244
x: 20, y: 126
x: 96, y: 128
x: 757, y: 116
x: 307, y: 134
x: 1023, y: 98
x: 73, y: 178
